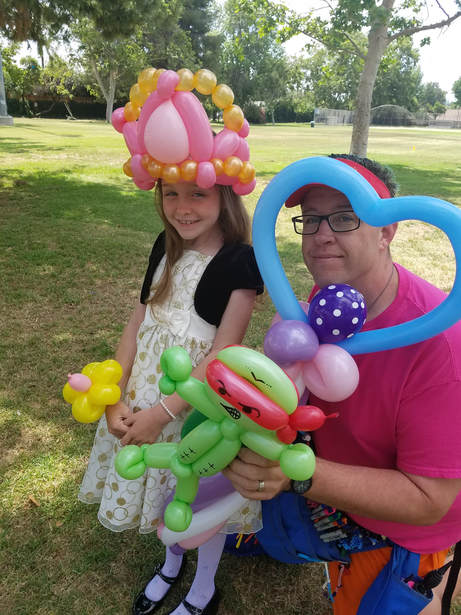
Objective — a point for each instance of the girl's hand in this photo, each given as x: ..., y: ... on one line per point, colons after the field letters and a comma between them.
x: 144, y: 427
x: 116, y: 415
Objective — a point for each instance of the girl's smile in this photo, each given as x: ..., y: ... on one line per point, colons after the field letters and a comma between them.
x: 194, y: 212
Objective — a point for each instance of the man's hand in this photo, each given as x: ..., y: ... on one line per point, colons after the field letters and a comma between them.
x: 255, y: 477
x: 144, y: 427
x: 115, y: 416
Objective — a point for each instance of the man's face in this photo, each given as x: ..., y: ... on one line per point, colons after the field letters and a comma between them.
x: 352, y: 257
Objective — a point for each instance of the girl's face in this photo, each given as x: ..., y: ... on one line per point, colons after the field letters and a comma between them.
x: 194, y: 213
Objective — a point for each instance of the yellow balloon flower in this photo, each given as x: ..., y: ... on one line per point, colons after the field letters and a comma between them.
x: 92, y: 390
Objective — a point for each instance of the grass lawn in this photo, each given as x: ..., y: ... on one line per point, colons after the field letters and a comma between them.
x: 75, y: 235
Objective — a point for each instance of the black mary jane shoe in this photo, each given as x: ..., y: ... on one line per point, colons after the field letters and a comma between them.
x: 144, y: 605
x: 210, y: 609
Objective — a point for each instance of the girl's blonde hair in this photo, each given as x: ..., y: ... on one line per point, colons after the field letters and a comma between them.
x: 233, y: 220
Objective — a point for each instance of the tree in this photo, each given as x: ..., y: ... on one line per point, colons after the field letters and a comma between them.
x: 255, y: 66
x: 457, y: 91
x: 40, y: 20
x: 347, y: 19
x: 399, y: 77
x: 37, y: 20
x: 106, y: 63
x: 20, y: 80
x: 333, y: 77
x: 432, y: 93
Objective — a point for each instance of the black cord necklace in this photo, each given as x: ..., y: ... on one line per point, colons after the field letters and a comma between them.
x: 369, y: 307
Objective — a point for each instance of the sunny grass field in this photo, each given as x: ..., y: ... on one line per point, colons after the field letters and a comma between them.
x: 74, y: 240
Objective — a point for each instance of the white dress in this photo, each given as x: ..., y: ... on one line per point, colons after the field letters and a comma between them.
x: 126, y: 504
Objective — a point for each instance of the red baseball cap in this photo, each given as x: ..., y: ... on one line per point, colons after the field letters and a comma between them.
x: 381, y: 189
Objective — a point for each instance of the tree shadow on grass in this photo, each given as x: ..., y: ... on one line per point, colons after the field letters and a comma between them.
x: 19, y: 145
x: 444, y: 184
x: 56, y: 551
x: 63, y: 195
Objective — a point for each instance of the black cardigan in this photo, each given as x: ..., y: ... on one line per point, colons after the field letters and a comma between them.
x: 233, y: 267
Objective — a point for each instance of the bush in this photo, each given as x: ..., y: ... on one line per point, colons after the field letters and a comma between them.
x: 44, y: 108
x: 254, y: 113
x: 286, y: 111
x: 392, y: 115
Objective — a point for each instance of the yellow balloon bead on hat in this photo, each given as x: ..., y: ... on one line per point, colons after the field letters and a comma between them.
x: 188, y: 170
x: 127, y: 168
x: 155, y: 168
x: 233, y: 117
x: 157, y: 74
x: 137, y: 95
x: 171, y: 173
x: 247, y: 174
x: 146, y: 79
x: 145, y: 160
x: 131, y: 112
x: 232, y: 166
x: 186, y: 80
x: 222, y: 96
x: 218, y: 165
x: 204, y: 81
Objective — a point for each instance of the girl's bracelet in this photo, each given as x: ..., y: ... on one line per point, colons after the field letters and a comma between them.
x: 167, y: 410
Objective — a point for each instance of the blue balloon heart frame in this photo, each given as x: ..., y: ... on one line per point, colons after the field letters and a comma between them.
x: 374, y: 211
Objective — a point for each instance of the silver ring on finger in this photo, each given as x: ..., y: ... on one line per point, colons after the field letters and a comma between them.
x: 260, y: 485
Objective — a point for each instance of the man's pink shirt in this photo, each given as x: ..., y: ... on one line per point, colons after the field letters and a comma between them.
x: 405, y: 413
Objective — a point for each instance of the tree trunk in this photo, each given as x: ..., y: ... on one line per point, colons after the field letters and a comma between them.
x: 110, y: 96
x: 377, y: 43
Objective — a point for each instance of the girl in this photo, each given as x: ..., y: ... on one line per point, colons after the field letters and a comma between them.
x: 199, y: 292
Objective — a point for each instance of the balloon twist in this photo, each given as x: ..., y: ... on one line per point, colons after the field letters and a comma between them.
x: 169, y: 137
x: 92, y: 390
x: 248, y: 400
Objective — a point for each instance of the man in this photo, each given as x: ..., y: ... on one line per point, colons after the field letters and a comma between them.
x: 392, y: 460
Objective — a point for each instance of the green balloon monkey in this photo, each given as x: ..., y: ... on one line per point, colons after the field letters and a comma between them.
x: 248, y: 400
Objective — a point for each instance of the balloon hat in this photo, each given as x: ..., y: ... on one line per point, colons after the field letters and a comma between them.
x: 169, y: 136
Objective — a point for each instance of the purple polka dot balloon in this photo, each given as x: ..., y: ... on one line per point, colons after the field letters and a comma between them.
x: 336, y: 312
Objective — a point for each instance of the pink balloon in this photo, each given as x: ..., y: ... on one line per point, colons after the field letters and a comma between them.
x: 196, y: 541
x: 226, y: 143
x: 243, y: 150
x: 165, y: 135
x: 79, y: 382
x: 244, y: 130
x: 332, y: 374
x: 144, y: 185
x: 294, y: 371
x: 206, y: 175
x: 244, y: 189
x: 118, y: 119
x: 166, y: 84
x: 226, y: 180
x: 197, y: 125
x: 130, y: 132
x: 138, y: 170
x: 304, y: 306
x: 152, y: 102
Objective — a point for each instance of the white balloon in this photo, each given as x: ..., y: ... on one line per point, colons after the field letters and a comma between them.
x: 211, y: 516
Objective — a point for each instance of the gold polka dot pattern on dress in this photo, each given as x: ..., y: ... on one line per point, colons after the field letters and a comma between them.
x: 140, y: 503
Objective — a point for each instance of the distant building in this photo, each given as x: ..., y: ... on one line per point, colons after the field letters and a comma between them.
x: 333, y: 116
x: 450, y: 119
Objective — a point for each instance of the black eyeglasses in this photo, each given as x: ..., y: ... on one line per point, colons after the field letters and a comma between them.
x: 339, y: 222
